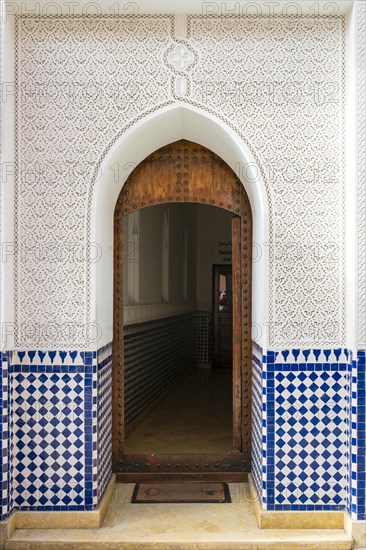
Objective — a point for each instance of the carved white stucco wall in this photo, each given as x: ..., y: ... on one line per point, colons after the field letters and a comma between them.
x: 361, y: 166
x: 279, y: 82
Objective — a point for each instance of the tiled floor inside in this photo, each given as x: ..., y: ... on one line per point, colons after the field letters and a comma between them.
x: 194, y: 416
x: 179, y: 526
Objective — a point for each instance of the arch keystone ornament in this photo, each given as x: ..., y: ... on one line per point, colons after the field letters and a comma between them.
x: 180, y: 57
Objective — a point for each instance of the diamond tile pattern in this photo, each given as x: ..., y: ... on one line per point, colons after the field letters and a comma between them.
x: 358, y: 438
x: 310, y: 440
x: 61, y: 428
x: 4, y: 436
x: 308, y: 429
x: 104, y: 470
x: 257, y: 418
x: 49, y: 438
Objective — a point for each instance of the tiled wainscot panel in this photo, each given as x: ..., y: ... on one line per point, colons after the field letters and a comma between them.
x: 258, y: 465
x: 104, y: 408
x: 307, y: 420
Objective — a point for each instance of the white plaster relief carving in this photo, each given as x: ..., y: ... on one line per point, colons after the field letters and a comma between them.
x: 246, y: 71
x: 180, y: 86
x: 270, y: 77
x: 180, y: 57
x: 361, y: 168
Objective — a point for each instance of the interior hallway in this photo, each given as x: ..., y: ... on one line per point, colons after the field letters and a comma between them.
x: 193, y: 416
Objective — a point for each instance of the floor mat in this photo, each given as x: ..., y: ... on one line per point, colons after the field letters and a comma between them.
x: 181, y: 492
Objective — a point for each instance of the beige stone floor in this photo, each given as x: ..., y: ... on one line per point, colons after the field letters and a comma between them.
x: 179, y: 526
x: 194, y: 416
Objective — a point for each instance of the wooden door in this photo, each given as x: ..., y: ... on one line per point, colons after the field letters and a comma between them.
x: 187, y: 172
x: 237, y: 321
x: 223, y: 317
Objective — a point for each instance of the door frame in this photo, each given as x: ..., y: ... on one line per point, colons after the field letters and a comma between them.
x: 237, y: 424
x: 231, y: 466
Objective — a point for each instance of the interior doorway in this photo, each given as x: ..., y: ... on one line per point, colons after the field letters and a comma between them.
x: 181, y: 394
x: 223, y: 317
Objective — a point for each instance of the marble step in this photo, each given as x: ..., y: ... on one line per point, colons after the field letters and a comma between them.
x: 113, y: 539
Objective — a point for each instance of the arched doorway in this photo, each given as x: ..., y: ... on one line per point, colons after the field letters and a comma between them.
x: 185, y: 172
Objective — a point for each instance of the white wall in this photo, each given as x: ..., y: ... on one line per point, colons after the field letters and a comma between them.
x: 208, y: 226
x: 284, y: 135
x: 143, y: 258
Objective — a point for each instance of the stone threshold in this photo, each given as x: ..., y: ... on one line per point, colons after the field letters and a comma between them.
x: 120, y: 524
x: 286, y: 539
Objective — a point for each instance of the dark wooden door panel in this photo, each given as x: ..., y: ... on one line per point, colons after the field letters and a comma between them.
x: 183, y: 172
x: 237, y: 333
x: 180, y: 463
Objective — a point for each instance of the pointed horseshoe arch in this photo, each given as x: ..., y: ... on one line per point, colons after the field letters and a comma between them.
x: 186, y: 172
x: 131, y: 146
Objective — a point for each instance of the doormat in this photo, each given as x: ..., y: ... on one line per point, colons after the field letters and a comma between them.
x: 150, y: 493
